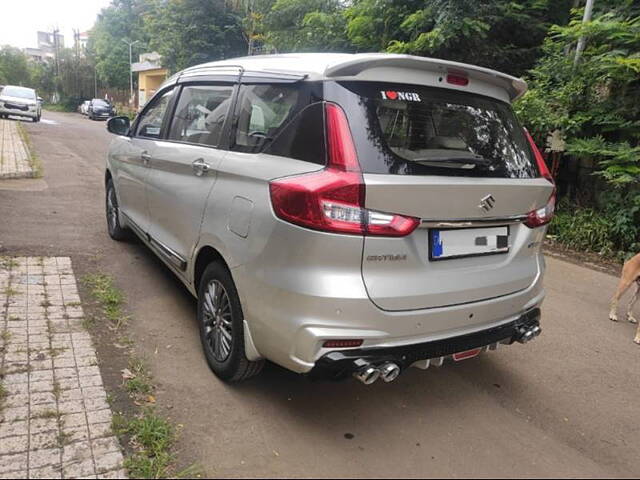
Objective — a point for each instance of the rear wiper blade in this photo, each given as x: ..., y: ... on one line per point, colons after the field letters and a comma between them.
x: 454, y: 161
x: 444, y: 157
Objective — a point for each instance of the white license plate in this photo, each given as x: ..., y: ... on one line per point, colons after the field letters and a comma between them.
x: 468, y: 242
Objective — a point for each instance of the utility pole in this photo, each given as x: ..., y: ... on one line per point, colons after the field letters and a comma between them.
x: 131, y: 44
x: 588, y: 11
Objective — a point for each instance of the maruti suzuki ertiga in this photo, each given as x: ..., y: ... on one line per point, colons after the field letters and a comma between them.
x: 339, y: 214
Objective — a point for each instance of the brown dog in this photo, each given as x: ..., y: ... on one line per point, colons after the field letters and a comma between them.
x: 630, y: 274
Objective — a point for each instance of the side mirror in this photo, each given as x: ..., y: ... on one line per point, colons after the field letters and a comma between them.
x: 40, y: 100
x: 119, y: 125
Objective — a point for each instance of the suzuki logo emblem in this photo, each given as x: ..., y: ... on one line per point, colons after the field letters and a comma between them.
x: 487, y: 203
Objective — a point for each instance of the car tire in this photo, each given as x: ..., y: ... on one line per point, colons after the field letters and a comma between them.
x: 221, y: 326
x: 116, y: 231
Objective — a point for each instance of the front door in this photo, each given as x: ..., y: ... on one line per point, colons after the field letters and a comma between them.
x: 134, y: 161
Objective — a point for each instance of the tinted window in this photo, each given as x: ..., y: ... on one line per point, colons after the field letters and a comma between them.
x: 303, y: 137
x: 414, y: 130
x: 261, y: 113
x: 150, y: 123
x: 100, y: 103
x: 200, y: 114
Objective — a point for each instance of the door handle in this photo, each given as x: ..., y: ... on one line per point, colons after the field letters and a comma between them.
x: 146, y: 158
x: 200, y: 167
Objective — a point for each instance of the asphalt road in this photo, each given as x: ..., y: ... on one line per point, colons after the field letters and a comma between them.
x: 565, y: 405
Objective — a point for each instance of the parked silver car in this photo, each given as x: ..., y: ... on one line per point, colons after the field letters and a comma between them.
x: 20, y: 102
x: 339, y: 214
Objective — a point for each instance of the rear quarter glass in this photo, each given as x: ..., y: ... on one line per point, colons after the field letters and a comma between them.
x: 406, y: 129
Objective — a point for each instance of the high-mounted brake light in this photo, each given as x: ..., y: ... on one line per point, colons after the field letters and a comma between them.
x: 332, y: 200
x: 457, y: 79
x: 542, y: 215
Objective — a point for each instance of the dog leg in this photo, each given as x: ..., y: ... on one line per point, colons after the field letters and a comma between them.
x: 622, y: 287
x: 632, y: 302
x: 637, y: 339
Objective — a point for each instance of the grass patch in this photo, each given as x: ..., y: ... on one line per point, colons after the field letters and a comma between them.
x: 10, y: 292
x: 7, y: 263
x: 140, y: 384
x: 110, y: 298
x: 34, y: 160
x: 3, y: 395
x: 151, y: 438
x: 5, y: 336
x: 48, y: 413
x: 59, y: 107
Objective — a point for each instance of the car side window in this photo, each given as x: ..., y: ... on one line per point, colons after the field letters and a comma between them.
x: 200, y: 115
x: 261, y: 113
x: 150, y: 124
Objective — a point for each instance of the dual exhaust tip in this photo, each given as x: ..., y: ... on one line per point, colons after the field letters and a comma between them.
x: 529, y: 333
x: 370, y: 374
x: 389, y: 371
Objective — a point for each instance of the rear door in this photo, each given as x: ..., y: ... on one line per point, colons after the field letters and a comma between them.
x: 184, y: 167
x: 461, y: 164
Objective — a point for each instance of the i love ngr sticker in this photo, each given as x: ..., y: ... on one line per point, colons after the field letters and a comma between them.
x: 405, y: 96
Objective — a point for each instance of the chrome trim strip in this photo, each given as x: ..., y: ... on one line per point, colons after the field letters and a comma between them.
x: 471, y: 222
x: 168, y: 253
x: 134, y: 226
x: 171, y: 256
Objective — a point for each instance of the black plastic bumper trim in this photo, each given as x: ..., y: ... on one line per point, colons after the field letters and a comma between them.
x: 342, y: 363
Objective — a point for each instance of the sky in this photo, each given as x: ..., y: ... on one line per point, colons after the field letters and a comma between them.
x: 21, y: 19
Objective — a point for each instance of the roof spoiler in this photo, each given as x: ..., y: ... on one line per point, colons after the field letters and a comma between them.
x: 514, y: 86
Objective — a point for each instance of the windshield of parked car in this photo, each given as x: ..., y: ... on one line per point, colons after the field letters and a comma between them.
x: 19, y: 92
x: 100, y: 103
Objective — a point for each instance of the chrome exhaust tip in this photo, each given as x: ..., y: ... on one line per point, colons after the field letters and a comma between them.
x: 389, y: 372
x: 367, y: 375
x: 529, y: 334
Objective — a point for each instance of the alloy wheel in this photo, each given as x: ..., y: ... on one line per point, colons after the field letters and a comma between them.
x: 112, y: 210
x: 217, y: 321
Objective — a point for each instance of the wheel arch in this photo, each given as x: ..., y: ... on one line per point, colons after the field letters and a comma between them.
x: 206, y: 255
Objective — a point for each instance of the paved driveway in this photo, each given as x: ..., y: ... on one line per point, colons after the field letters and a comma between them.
x: 566, y: 404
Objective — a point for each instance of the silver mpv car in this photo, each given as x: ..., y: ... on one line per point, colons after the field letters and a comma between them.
x: 339, y: 214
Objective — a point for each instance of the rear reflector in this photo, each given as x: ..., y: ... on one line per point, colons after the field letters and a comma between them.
x: 342, y: 343
x: 458, y: 357
x: 459, y: 80
x: 333, y: 199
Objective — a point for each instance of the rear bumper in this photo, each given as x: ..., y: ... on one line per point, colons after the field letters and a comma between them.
x: 342, y: 364
x: 291, y: 330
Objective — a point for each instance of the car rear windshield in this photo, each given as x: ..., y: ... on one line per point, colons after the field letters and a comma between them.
x: 101, y: 103
x: 18, y: 92
x: 414, y: 130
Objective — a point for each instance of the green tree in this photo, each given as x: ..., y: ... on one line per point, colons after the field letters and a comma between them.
x: 307, y: 25
x: 14, y: 68
x: 596, y: 104
x: 189, y: 32
x: 122, y: 20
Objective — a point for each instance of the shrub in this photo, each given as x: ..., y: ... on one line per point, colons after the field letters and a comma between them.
x: 612, y: 232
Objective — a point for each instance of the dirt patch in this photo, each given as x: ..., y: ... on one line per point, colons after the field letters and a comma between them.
x: 585, y: 259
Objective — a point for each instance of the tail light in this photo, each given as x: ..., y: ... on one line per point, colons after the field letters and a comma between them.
x: 543, y: 215
x: 332, y: 200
